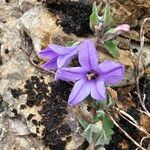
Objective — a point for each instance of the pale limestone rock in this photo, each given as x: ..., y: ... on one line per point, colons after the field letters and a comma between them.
x: 28, y: 4
x: 40, y: 25
x: 18, y: 127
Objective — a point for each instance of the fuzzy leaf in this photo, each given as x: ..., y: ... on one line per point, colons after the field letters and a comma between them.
x: 109, y: 34
x: 94, y: 18
x: 112, y: 48
x: 92, y: 132
x: 99, y: 116
x: 107, y: 16
x: 99, y: 133
x: 83, y: 123
x: 102, y: 140
x: 107, y: 126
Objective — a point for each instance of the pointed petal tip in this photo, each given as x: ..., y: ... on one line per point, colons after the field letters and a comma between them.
x: 50, y: 65
x: 79, y: 92
x: 112, y: 72
x: 88, y: 56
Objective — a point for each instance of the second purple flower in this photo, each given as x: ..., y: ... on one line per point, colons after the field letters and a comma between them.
x: 58, y: 56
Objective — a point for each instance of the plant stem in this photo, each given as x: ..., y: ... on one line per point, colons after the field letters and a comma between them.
x: 126, y: 134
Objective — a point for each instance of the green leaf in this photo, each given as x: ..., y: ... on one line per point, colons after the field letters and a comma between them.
x: 107, y: 16
x: 70, y: 43
x: 107, y: 126
x: 99, y: 116
x: 83, y: 123
x: 99, y: 133
x: 99, y: 7
x: 112, y: 48
x: 110, y: 31
x: 94, y: 18
x: 102, y: 140
x: 92, y: 132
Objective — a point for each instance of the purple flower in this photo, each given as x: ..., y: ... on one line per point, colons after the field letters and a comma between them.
x: 91, y: 77
x: 58, y: 56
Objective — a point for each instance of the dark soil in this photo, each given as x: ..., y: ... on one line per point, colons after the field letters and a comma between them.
x: 74, y: 17
x: 54, y: 109
x: 53, y: 112
x: 16, y: 93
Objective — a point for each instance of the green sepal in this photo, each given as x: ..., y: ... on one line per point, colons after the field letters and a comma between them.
x: 83, y: 123
x: 107, y: 16
x: 112, y: 48
x: 94, y: 18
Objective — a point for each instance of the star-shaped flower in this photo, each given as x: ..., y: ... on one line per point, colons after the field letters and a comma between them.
x: 58, y: 56
x: 91, y: 77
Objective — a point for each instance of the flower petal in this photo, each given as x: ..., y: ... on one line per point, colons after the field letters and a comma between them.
x: 88, y: 56
x: 122, y: 28
x: 70, y: 74
x: 98, y: 91
x: 50, y: 64
x: 62, y: 50
x: 79, y: 92
x: 48, y: 53
x: 64, y: 60
x: 111, y: 72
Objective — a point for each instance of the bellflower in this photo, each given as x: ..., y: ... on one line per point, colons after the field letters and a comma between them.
x: 58, y: 56
x: 91, y: 77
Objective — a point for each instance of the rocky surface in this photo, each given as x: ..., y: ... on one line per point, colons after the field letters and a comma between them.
x: 16, y: 43
x: 26, y: 27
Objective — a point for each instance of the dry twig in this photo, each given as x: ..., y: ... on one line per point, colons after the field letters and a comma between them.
x: 132, y: 121
x: 137, y: 69
x: 125, y: 133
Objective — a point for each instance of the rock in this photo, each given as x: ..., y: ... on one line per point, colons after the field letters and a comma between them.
x: 8, y: 11
x: 142, y: 3
x: 19, y: 127
x: 41, y: 27
x: 145, y: 54
x: 31, y: 115
x: 16, y: 70
x: 25, y: 5
x: 48, y: 116
x: 39, y: 24
x: 135, y: 36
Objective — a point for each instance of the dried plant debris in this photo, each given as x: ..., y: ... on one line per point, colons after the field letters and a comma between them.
x: 144, y: 84
x: 73, y: 17
x: 45, y: 110
x: 120, y: 142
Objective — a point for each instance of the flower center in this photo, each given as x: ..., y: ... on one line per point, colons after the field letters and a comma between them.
x: 92, y: 75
